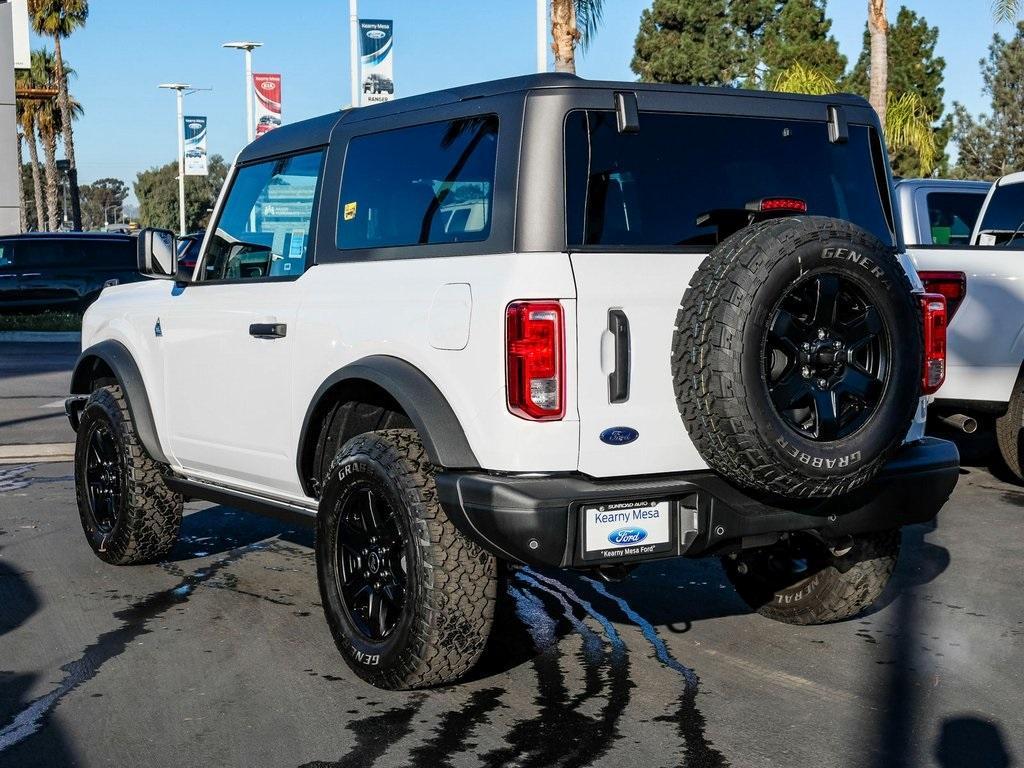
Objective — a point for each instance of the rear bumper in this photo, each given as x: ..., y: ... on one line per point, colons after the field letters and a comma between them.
x: 535, y: 520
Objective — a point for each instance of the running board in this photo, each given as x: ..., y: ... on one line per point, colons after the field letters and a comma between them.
x: 279, y: 510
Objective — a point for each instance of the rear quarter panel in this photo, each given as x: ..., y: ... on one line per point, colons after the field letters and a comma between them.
x: 985, y: 342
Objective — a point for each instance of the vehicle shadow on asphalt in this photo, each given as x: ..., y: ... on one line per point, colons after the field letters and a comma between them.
x: 18, y: 603
x: 218, y: 529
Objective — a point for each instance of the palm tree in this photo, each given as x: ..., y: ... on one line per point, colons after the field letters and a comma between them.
x: 1005, y: 10
x: 907, y: 121
x: 878, y: 27
x: 59, y: 19
x: 27, y: 109
x: 573, y: 22
x: 22, y: 213
x: 48, y: 126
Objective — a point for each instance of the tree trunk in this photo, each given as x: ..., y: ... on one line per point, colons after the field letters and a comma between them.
x: 564, y: 34
x: 37, y: 182
x: 49, y: 139
x: 64, y: 103
x: 22, y: 213
x: 878, y: 26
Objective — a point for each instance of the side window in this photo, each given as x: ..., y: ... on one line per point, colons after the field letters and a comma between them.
x: 6, y: 255
x: 263, y: 230
x: 426, y: 184
x: 41, y: 254
x: 951, y: 216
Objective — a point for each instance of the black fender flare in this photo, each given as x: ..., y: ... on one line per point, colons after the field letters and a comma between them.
x: 439, y: 428
x: 119, y: 360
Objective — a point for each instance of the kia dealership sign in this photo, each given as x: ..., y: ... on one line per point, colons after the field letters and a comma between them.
x: 376, y: 50
x: 268, y: 102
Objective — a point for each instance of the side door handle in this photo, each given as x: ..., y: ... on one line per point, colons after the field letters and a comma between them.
x: 268, y: 330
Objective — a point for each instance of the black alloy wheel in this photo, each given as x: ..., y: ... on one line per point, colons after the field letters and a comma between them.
x: 826, y: 357
x: 371, y: 563
x: 104, y: 478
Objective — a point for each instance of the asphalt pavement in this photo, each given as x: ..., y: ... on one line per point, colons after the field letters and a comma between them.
x: 220, y: 656
x: 34, y: 380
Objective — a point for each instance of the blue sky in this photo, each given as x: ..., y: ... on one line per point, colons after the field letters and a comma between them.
x: 130, y: 46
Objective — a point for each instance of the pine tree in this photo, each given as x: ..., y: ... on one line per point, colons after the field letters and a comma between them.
x: 913, y: 68
x: 993, y: 145
x: 705, y: 43
x: 799, y: 34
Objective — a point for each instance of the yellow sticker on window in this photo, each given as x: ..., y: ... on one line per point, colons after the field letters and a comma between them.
x: 350, y: 211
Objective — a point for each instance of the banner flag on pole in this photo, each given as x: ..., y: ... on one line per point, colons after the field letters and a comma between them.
x: 268, y: 102
x: 377, y: 58
x: 195, y: 146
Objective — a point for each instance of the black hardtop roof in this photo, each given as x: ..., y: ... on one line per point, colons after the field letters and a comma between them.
x: 70, y: 236
x: 317, y: 131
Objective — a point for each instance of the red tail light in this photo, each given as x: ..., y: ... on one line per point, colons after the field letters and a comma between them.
x: 933, y: 314
x: 535, y: 359
x: 952, y: 285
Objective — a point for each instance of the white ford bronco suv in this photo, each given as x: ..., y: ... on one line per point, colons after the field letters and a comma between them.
x: 537, y: 321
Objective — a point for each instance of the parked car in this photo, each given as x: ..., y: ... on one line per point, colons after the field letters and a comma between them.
x: 640, y: 347
x: 983, y: 281
x: 63, y: 271
x: 939, y: 211
x: 188, y: 249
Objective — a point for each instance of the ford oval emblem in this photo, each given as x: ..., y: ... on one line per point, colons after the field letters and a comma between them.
x: 619, y: 435
x: 626, y: 536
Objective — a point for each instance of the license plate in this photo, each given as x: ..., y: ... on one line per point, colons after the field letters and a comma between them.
x: 626, y: 530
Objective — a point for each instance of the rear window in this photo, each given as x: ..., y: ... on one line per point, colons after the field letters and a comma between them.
x: 1005, y: 215
x: 951, y: 216
x: 421, y: 185
x: 651, y: 188
x: 80, y: 254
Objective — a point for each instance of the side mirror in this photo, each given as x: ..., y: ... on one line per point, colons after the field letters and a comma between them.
x: 158, y: 253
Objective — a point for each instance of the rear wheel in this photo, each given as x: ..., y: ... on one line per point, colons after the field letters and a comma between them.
x: 1010, y: 431
x: 409, y: 600
x: 802, y: 580
x: 128, y: 512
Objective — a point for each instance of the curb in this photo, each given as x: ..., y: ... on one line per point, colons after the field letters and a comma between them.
x: 63, y: 337
x: 36, y: 454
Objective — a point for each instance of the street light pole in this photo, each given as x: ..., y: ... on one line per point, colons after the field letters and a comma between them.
x: 250, y: 118
x: 542, y: 35
x: 353, y: 41
x: 180, y: 89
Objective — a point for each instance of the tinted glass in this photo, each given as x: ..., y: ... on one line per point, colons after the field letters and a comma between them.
x: 1005, y: 214
x: 951, y: 216
x: 650, y: 188
x: 113, y: 255
x: 34, y: 254
x: 263, y: 230
x: 413, y: 186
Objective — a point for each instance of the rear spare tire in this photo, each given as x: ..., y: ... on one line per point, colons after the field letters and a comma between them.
x: 796, y: 357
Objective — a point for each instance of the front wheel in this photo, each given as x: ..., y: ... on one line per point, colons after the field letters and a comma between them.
x: 408, y: 599
x: 128, y: 512
x: 801, y: 580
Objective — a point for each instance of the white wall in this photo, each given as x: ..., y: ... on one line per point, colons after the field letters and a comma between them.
x: 9, y: 170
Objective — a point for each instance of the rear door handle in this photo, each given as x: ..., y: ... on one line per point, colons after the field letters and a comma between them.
x: 268, y: 330
x: 618, y: 379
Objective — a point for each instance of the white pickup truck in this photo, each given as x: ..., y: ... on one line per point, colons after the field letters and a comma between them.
x: 982, y: 281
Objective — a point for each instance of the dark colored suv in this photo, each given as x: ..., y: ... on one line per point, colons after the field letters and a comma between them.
x: 62, y: 271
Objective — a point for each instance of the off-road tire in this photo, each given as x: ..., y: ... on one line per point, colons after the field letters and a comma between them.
x: 1010, y: 430
x: 720, y: 387
x: 452, y: 582
x: 149, y: 515
x: 835, y: 587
